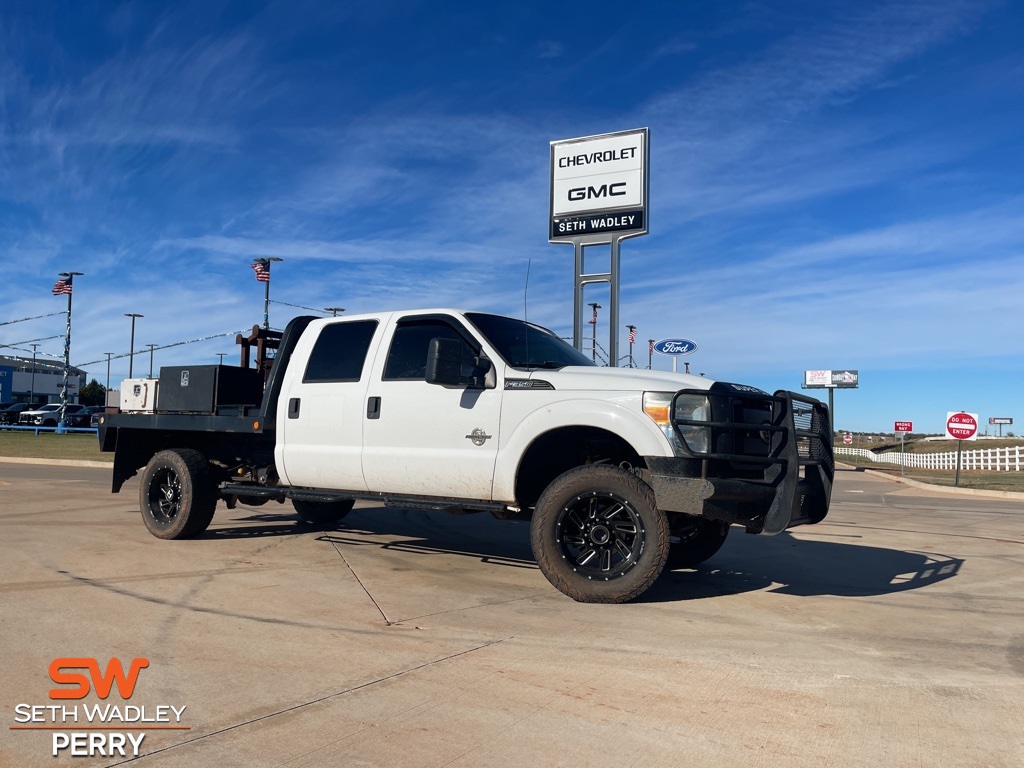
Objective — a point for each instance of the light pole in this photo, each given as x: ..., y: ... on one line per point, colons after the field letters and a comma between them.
x: 131, y: 349
x: 221, y: 356
x: 593, y: 321
x: 106, y: 390
x: 63, y: 286
x: 32, y: 390
x: 334, y: 310
x: 261, y: 267
x: 151, y: 359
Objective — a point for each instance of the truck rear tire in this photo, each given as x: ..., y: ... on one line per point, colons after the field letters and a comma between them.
x: 322, y: 512
x: 178, y: 494
x: 694, y: 540
x: 598, y: 535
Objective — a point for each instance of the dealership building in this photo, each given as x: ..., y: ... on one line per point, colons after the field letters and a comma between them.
x: 22, y: 381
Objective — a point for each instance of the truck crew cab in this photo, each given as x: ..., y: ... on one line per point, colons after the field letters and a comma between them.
x: 618, y: 470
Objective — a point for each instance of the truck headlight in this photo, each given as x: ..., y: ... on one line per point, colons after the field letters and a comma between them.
x: 693, y: 408
x: 659, y: 405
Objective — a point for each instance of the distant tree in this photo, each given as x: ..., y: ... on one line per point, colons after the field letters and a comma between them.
x: 1010, y: 434
x: 92, y: 393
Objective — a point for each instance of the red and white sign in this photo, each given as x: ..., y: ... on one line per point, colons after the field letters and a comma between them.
x: 903, y: 426
x: 847, y: 439
x: 962, y: 426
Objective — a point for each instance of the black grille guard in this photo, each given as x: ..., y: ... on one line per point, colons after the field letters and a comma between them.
x: 795, y: 451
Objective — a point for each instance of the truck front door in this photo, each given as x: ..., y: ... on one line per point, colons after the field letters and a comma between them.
x: 426, y: 439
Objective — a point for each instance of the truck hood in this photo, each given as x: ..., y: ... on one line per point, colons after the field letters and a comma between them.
x: 618, y: 379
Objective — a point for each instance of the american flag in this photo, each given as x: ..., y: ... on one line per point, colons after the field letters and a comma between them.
x: 593, y: 320
x: 62, y: 287
x: 262, y: 270
x: 632, y: 335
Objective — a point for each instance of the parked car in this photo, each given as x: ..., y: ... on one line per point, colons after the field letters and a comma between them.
x: 94, y: 420
x: 47, y: 416
x: 10, y: 414
x: 83, y: 418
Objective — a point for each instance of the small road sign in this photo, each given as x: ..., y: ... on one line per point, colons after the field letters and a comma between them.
x: 847, y: 439
x: 962, y: 426
x: 903, y: 426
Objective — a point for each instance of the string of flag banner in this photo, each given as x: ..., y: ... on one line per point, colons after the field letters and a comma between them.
x: 29, y: 341
x: 34, y: 317
x: 165, y: 346
x: 298, y: 306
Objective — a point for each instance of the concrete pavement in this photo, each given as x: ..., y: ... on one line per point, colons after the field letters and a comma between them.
x: 890, y: 634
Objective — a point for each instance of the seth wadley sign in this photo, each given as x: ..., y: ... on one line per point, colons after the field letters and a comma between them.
x: 598, y: 184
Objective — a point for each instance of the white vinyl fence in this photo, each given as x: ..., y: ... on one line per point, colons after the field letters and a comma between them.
x: 994, y: 459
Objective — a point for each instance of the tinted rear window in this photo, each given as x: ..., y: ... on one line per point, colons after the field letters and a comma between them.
x: 340, y: 351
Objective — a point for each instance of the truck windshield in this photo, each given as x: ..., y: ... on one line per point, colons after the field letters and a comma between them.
x: 524, y: 345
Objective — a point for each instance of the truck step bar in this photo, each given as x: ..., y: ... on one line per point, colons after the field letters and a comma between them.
x: 242, y: 490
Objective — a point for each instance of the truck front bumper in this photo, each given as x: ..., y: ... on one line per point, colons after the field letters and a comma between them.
x: 768, y: 463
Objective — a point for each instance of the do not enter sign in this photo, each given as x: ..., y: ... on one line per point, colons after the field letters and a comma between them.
x: 962, y: 426
x: 847, y: 439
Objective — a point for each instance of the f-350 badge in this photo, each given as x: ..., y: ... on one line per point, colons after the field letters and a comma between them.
x: 478, y: 436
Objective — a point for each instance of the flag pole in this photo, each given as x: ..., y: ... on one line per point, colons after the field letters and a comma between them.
x: 261, y: 266
x: 61, y: 425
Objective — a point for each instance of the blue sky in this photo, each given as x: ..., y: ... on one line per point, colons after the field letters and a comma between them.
x: 833, y: 185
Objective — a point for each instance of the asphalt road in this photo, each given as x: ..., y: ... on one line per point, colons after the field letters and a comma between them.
x: 892, y: 634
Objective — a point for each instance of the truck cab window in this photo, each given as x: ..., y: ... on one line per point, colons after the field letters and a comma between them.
x: 407, y: 358
x: 340, y: 351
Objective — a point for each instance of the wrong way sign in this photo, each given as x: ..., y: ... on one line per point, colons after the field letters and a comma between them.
x: 961, y: 425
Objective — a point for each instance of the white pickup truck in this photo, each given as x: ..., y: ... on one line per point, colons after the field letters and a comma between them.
x: 619, y: 471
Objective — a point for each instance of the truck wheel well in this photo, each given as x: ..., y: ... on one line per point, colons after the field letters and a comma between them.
x: 560, y: 450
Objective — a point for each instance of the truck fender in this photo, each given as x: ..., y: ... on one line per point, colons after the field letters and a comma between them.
x: 633, y: 426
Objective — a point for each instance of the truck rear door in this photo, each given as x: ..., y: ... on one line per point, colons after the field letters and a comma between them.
x: 321, y: 412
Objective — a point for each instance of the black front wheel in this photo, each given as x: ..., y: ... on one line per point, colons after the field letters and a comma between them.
x: 598, y: 535
x: 694, y: 540
x: 322, y: 512
x: 178, y: 494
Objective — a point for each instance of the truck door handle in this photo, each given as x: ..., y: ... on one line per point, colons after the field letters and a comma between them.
x: 293, y: 408
x: 373, y: 408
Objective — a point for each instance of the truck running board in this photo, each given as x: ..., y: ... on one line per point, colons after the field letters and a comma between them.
x: 242, y: 490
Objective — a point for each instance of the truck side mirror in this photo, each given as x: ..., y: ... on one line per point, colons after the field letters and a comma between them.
x: 450, y: 362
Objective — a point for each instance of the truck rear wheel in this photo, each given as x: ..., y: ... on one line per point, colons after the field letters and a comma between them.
x: 178, y: 494
x: 322, y: 512
x: 694, y: 540
x: 598, y: 535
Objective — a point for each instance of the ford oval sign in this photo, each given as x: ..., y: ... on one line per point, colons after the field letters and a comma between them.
x: 675, y: 347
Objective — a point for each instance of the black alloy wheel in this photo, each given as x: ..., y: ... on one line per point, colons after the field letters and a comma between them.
x: 178, y: 494
x: 600, y: 534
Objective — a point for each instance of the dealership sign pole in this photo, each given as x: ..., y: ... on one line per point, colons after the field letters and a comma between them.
x: 961, y: 426
x: 1000, y: 420
x: 674, y: 348
x: 832, y: 380
x: 599, y: 191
